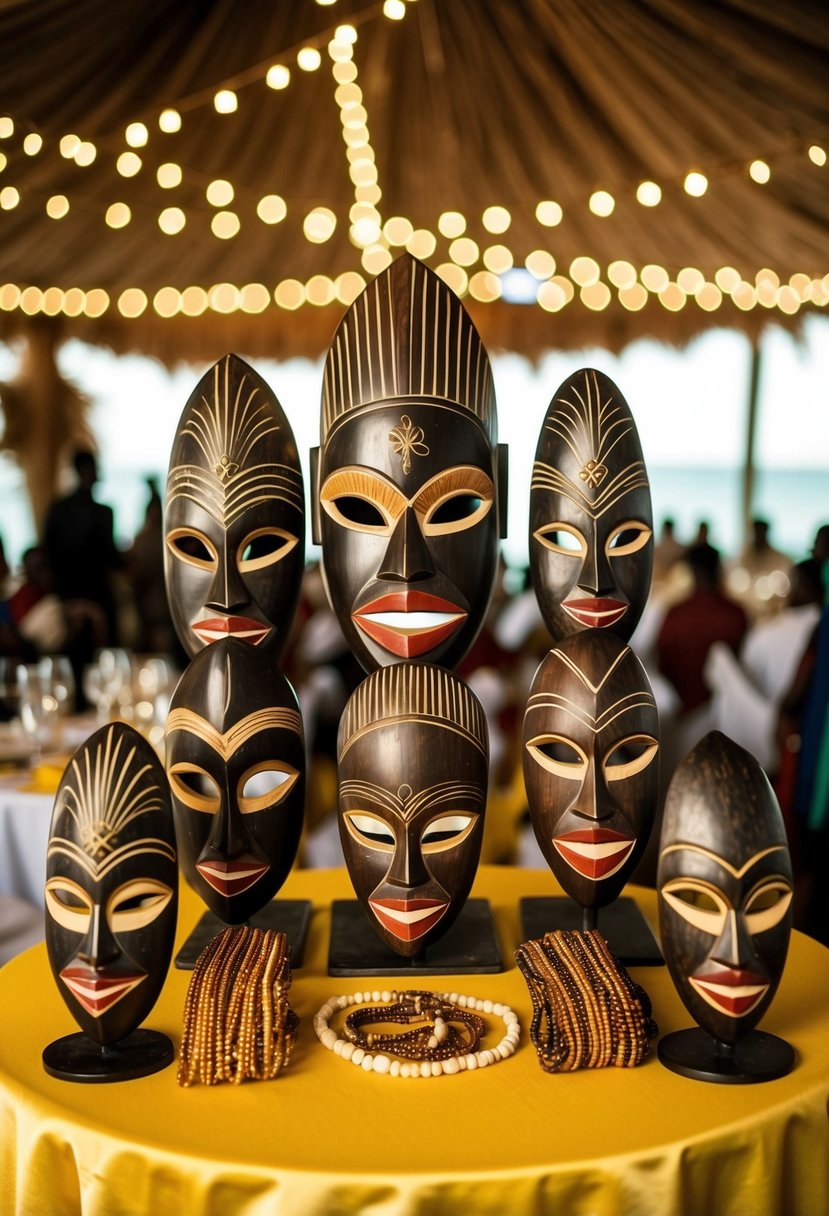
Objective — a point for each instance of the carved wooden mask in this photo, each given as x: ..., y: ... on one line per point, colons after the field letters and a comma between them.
x: 410, y: 483
x: 725, y: 887
x: 591, y: 771
x: 111, y: 883
x: 235, y: 515
x: 236, y: 763
x: 591, y: 523
x: 413, y: 760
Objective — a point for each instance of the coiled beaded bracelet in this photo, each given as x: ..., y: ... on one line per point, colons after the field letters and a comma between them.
x: 427, y: 1051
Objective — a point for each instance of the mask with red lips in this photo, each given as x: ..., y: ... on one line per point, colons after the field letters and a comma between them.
x: 591, y: 739
x: 725, y: 888
x: 234, y: 521
x: 412, y: 772
x: 236, y: 764
x: 591, y: 522
x: 410, y: 483
x: 111, y: 883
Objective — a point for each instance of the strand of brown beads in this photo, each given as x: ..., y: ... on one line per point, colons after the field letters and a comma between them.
x: 238, y: 1023
x: 587, y: 1011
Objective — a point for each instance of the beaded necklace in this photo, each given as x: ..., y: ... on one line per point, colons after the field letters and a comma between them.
x: 587, y: 1011
x: 238, y: 1023
x: 429, y: 1049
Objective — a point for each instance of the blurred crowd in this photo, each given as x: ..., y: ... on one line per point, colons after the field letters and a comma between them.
x: 737, y: 643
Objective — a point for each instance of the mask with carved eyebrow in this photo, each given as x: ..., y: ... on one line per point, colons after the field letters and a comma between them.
x: 111, y: 883
x: 235, y: 519
x: 409, y: 485
x: 236, y: 763
x: 591, y: 522
x: 590, y: 744
x: 725, y: 888
x: 412, y: 772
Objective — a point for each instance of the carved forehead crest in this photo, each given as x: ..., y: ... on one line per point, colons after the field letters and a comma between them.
x: 593, y: 679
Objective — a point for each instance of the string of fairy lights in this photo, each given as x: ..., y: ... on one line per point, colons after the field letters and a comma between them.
x: 472, y: 268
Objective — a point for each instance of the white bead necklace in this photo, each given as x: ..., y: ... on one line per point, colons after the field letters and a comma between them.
x: 384, y: 1064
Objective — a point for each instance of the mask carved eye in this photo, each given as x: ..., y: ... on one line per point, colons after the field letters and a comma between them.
x: 69, y: 905
x: 136, y: 904
x: 265, y: 785
x: 628, y: 538
x: 361, y: 501
x: 563, y: 539
x: 193, y: 547
x: 767, y: 905
x: 262, y: 548
x: 195, y: 788
x: 629, y: 757
x: 701, y: 905
x: 454, y: 500
x: 370, y: 831
x: 559, y: 756
x: 447, y: 832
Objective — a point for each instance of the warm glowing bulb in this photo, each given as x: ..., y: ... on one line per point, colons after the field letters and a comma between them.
x: 672, y: 297
x: 74, y: 302
x: 32, y: 143
x: 496, y: 219
x: 422, y: 243
x: 551, y: 296
x: 498, y: 259
x: 9, y: 198
x: 817, y: 155
x: 709, y: 297
x: 136, y: 134
x: 696, y: 184
x: 655, y: 278
x: 690, y: 280
x: 365, y: 232
x: 541, y: 264
x: 727, y: 278
x: 118, y: 215
x: 85, y: 154
x: 225, y: 225
x: 633, y: 298
x: 128, y: 164
x: 759, y: 172
x: 319, y: 290
x: 132, y: 302
x: 57, y: 206
x: 167, y: 301
x: 395, y: 10
x: 596, y: 296
x: 454, y: 276
x: 621, y: 274
x: 308, y: 58
x: 226, y: 102
x: 602, y: 203
x: 344, y: 72
x: 9, y: 297
x: 584, y: 271
x: 549, y: 213
x: 254, y: 298
x: 31, y: 300
x: 169, y: 121
x: 348, y: 286
x: 271, y: 209
x: 168, y: 175
x: 219, y: 193
x: 194, y: 301
x: 278, y: 76
x: 172, y: 220
x: 69, y: 145
x: 464, y: 251
x: 765, y: 275
x: 319, y: 226
x: 649, y: 194
x: 96, y: 303
x: 224, y: 297
x: 4, y: 160
x: 744, y: 296
x: 451, y: 224
x: 345, y: 33
x: 7, y: 127
x: 398, y: 230
x: 485, y: 286
x: 290, y: 294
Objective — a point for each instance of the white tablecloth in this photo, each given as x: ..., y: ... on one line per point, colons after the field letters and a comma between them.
x: 24, y: 831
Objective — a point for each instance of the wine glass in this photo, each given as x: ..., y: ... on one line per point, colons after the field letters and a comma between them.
x: 107, y: 681
x: 38, y: 708
x: 56, y: 671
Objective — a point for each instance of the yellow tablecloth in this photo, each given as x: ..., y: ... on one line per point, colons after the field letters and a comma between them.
x: 327, y: 1138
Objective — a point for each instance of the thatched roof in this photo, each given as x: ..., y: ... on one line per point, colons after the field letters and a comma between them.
x: 469, y: 104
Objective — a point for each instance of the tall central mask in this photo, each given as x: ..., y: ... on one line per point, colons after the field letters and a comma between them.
x: 412, y: 768
x: 591, y: 523
x: 410, y: 482
x: 236, y: 764
x: 591, y: 739
x: 234, y: 521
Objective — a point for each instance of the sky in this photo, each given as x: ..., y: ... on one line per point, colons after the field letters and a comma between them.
x: 689, y: 405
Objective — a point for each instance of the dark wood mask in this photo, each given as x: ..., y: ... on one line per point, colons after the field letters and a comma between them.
x: 412, y: 771
x: 725, y: 888
x: 591, y: 522
x: 236, y: 764
x: 235, y: 515
x: 410, y: 483
x: 591, y: 771
x: 111, y: 883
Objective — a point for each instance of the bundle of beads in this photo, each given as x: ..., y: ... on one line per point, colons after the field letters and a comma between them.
x: 587, y: 1011
x: 238, y: 1024
x: 430, y: 1048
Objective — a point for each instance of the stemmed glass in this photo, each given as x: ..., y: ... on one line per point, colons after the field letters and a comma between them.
x: 108, y: 680
x: 56, y: 672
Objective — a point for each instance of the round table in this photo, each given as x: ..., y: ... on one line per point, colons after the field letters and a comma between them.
x: 326, y: 1137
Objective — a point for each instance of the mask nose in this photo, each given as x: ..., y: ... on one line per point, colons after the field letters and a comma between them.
x: 593, y: 800
x: 407, y: 557
x: 100, y: 948
x: 227, y: 837
x: 734, y: 947
x: 227, y: 591
x: 596, y: 573
x: 408, y: 869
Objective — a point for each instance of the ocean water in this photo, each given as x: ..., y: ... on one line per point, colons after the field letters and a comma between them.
x: 795, y: 502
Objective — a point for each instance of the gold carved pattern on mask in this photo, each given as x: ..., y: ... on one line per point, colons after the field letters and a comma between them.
x: 227, y: 432
x: 227, y: 742
x: 737, y: 872
x: 407, y: 441
x: 108, y: 796
x: 407, y: 807
x: 555, y: 700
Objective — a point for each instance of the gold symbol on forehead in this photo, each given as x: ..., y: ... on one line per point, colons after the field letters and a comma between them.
x: 404, y: 793
x: 593, y: 473
x: 407, y: 441
x: 225, y: 468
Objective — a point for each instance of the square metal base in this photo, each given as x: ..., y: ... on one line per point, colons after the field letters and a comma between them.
x: 288, y: 916
x: 470, y: 947
x: 625, y: 929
